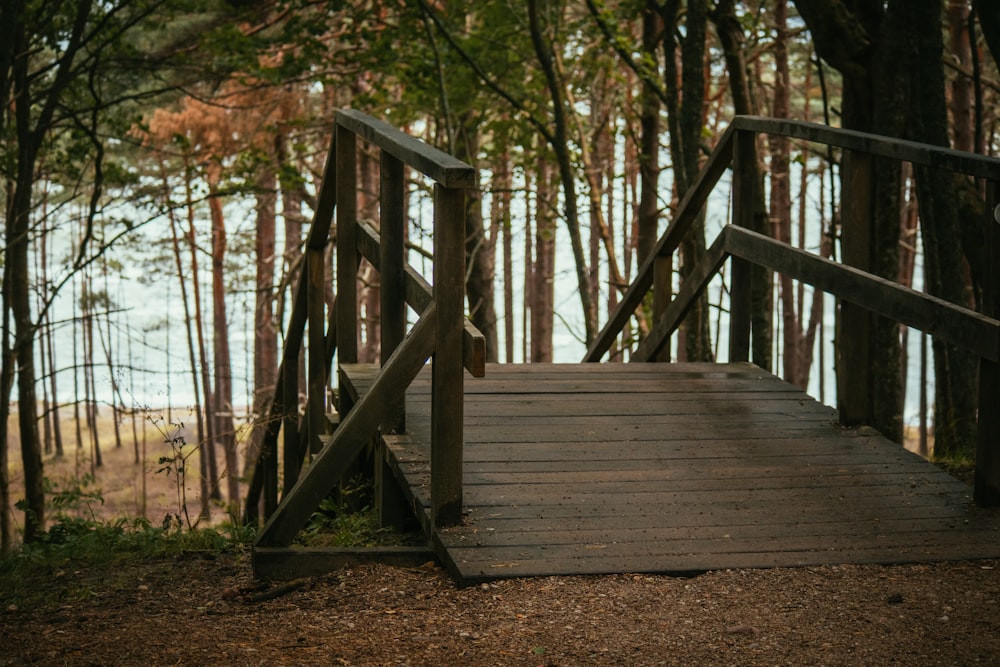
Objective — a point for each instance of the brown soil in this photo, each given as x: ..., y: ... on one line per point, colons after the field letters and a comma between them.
x: 207, y: 609
x: 199, y: 610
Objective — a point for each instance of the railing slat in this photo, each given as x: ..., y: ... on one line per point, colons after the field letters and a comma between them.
x: 419, y: 296
x: 443, y: 168
x: 390, y: 266
x: 352, y: 435
x: 987, y: 478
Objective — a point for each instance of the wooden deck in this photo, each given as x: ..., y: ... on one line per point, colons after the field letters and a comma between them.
x: 675, y: 468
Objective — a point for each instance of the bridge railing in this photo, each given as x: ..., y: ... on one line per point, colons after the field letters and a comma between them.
x: 859, y: 291
x: 441, y: 325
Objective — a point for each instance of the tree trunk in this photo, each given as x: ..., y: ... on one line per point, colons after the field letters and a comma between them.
x: 265, y: 338
x: 223, y: 395
x: 730, y: 33
x: 685, y: 110
x: 867, y: 45
x: 560, y: 147
x: 206, y: 446
x: 543, y: 271
x: 480, y: 249
x: 192, y: 357
x: 955, y: 369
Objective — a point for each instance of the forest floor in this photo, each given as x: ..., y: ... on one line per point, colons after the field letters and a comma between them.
x: 204, y: 607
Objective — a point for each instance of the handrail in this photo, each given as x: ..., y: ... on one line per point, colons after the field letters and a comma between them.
x: 942, y: 319
x: 721, y: 159
x: 959, y: 326
x: 971, y: 164
x: 441, y: 325
x: 436, y: 164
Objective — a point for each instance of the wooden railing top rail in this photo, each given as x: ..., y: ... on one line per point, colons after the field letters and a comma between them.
x: 721, y: 158
x: 972, y: 164
x: 438, y: 165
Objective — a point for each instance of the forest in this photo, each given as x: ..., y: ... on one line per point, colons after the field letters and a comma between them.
x: 161, y: 163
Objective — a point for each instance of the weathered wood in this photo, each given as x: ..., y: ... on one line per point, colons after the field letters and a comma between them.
x: 390, y: 265
x: 873, y: 144
x: 685, y: 216
x: 419, y: 295
x: 347, y: 254
x: 744, y: 204
x: 944, y: 320
x: 987, y: 477
x: 448, y: 396
x: 854, y: 396
x: 284, y: 405
x: 440, y: 166
x: 567, y: 492
x: 315, y: 269
x: 663, y: 279
x: 354, y: 432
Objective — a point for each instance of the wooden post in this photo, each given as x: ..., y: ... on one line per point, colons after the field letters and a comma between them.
x: 663, y: 269
x: 393, y: 286
x: 447, y: 399
x: 347, y: 255
x: 854, y: 327
x: 987, y: 478
x: 291, y: 457
x: 317, y: 373
x: 744, y: 201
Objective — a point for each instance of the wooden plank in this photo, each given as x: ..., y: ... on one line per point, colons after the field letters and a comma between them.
x: 347, y: 255
x: 318, y: 369
x: 503, y: 520
x: 898, y: 149
x: 476, y: 572
x: 944, y: 320
x: 430, y: 161
x: 685, y: 216
x: 354, y: 432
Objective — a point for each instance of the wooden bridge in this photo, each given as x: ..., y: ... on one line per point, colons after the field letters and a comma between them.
x: 607, y: 467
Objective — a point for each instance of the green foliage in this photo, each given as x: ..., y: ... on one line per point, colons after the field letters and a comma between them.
x: 336, y: 524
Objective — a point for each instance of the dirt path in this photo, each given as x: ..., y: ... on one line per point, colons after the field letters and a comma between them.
x: 200, y: 610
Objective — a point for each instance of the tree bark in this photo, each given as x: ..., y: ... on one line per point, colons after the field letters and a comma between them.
x: 480, y: 248
x: 730, y: 33
x: 945, y: 273
x: 265, y: 339
x: 543, y: 267
x: 223, y: 395
x: 685, y: 111
x: 866, y: 44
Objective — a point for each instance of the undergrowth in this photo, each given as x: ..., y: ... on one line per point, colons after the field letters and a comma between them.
x: 351, y: 520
